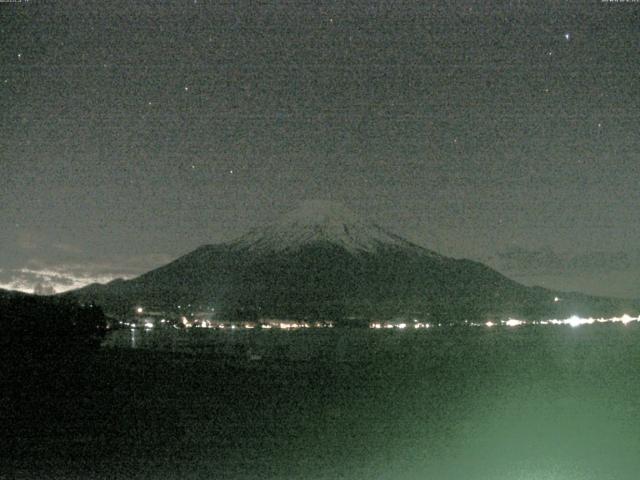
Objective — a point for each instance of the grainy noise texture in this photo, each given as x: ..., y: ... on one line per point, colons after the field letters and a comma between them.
x: 133, y: 132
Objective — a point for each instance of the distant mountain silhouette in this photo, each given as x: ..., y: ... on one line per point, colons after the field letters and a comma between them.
x: 322, y: 261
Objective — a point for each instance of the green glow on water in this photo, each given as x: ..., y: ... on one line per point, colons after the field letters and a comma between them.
x: 479, y: 404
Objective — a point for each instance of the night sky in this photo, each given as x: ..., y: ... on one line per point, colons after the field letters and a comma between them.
x: 133, y: 132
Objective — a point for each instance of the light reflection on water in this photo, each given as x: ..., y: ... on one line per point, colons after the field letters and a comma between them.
x: 134, y: 335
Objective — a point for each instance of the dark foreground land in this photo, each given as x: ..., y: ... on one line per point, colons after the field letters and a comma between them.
x: 525, y: 403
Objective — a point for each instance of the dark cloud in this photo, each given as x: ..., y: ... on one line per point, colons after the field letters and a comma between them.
x: 518, y: 260
x: 598, y: 272
x: 521, y: 260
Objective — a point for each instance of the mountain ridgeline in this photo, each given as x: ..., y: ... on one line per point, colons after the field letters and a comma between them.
x: 323, y: 262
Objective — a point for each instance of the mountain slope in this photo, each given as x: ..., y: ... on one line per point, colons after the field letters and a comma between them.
x: 323, y: 261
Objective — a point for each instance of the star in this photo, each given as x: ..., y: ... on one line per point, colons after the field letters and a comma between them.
x: 186, y: 89
x: 567, y: 36
x: 19, y: 56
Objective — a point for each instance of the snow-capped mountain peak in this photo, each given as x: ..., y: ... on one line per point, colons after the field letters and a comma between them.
x: 322, y: 221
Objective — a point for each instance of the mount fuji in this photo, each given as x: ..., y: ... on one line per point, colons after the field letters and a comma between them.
x: 323, y: 261
x: 323, y: 221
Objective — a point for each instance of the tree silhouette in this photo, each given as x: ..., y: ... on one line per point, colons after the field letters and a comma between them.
x: 41, y: 327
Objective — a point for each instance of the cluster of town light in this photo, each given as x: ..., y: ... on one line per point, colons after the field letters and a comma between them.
x: 415, y: 325
x: 187, y: 324
x: 184, y: 322
x: 251, y: 325
x: 192, y: 321
x: 573, y: 321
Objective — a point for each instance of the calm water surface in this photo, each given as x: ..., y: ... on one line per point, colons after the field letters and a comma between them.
x: 532, y: 403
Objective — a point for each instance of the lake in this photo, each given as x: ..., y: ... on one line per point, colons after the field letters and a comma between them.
x: 530, y: 403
